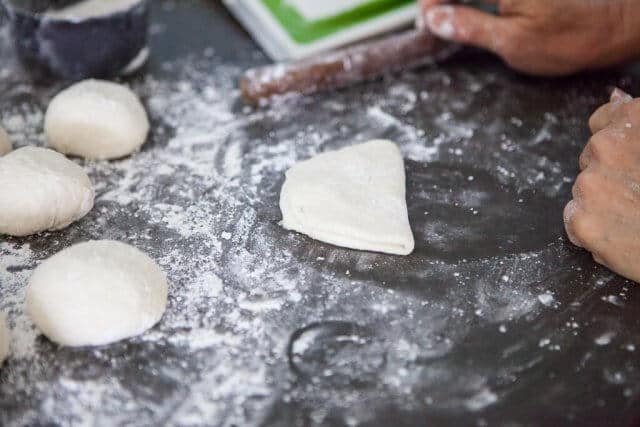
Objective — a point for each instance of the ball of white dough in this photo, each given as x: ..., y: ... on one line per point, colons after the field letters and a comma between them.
x: 5, y: 144
x: 96, y: 293
x: 96, y: 119
x: 4, y: 339
x: 41, y: 190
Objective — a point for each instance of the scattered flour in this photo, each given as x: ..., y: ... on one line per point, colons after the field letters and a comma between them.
x: 605, y: 339
x: 201, y: 199
x: 546, y: 299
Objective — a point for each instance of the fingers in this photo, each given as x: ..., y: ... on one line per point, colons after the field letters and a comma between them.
x: 603, y: 216
x: 605, y: 115
x: 607, y: 195
x: 569, y: 214
x: 587, y: 229
x: 600, y: 150
x: 423, y: 6
x: 611, y: 237
x: 615, y: 147
x: 468, y: 26
x: 582, y: 228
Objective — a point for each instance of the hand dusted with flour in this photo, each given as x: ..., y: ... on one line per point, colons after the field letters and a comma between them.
x: 603, y: 217
x: 354, y: 197
x: 544, y: 37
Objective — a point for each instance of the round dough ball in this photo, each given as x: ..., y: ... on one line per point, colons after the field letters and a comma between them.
x: 5, y: 144
x: 41, y: 190
x: 96, y: 119
x: 95, y: 293
x: 4, y: 339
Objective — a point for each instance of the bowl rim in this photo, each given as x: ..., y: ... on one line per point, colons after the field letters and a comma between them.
x: 13, y: 9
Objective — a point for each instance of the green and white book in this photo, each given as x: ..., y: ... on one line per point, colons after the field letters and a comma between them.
x: 291, y: 29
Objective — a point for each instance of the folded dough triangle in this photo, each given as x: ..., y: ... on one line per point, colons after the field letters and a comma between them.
x: 354, y: 197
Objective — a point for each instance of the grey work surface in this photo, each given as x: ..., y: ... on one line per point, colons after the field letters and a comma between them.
x: 494, y: 320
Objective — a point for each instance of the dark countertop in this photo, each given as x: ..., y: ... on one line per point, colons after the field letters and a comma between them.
x: 495, y: 319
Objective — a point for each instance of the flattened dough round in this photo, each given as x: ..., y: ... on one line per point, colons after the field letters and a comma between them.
x: 96, y: 119
x: 95, y: 293
x: 41, y: 190
x: 354, y: 197
x: 4, y: 339
x: 5, y: 144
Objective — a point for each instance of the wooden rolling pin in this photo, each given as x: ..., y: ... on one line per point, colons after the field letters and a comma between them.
x: 344, y: 67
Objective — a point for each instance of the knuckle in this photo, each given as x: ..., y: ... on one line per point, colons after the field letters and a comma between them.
x: 569, y: 211
x: 577, y: 225
x: 585, y: 157
x: 582, y: 229
x: 598, y: 118
x: 587, y: 184
x: 600, y: 146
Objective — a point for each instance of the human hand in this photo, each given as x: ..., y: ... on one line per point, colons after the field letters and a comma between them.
x: 604, y: 215
x: 544, y: 37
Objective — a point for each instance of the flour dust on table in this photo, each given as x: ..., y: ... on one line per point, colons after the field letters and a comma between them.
x: 354, y: 197
x: 96, y: 293
x: 41, y: 190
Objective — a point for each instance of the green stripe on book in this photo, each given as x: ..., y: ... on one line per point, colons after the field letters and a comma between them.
x: 304, y: 31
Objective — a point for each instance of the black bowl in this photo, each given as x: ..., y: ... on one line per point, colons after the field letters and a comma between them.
x: 101, y: 46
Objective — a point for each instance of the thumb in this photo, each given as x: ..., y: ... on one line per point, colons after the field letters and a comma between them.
x: 467, y: 26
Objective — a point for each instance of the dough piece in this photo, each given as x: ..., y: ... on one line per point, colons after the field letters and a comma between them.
x: 95, y: 293
x: 5, y: 144
x: 354, y: 197
x: 41, y: 190
x: 96, y: 119
x: 4, y: 339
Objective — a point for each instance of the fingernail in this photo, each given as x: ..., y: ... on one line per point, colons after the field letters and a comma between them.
x: 618, y: 95
x: 440, y: 21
